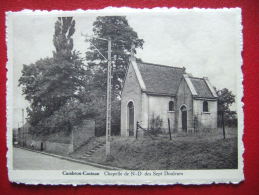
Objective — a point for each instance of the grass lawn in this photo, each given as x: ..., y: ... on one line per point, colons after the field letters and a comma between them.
x: 199, y: 151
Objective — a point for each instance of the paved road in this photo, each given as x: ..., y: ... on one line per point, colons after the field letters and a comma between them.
x: 27, y: 160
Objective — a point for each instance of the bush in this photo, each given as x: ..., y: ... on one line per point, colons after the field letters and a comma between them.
x: 100, y: 120
x: 155, y: 124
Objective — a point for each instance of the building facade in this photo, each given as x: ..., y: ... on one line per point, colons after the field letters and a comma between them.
x: 156, y: 92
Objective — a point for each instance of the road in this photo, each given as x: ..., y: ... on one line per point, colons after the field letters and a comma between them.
x: 27, y: 160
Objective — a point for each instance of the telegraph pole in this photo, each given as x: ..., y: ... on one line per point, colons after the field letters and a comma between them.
x: 108, y: 114
x: 108, y: 104
x: 22, y: 117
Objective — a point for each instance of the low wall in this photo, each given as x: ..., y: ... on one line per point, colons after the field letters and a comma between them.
x: 79, y: 136
x: 47, y: 146
x: 60, y: 148
x: 38, y: 145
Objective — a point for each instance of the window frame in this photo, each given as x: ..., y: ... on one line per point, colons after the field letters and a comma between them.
x: 205, y: 104
x: 171, y: 105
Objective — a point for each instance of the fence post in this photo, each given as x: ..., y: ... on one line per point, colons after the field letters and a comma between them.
x: 169, y: 129
x: 137, y: 130
x: 223, y: 125
x: 195, y: 124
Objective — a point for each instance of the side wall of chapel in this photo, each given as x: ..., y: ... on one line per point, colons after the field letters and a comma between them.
x: 159, y: 107
x: 205, y: 120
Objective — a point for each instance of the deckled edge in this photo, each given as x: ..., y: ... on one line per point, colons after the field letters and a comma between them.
x: 9, y: 92
x: 119, y: 10
x: 107, y: 10
x: 240, y: 95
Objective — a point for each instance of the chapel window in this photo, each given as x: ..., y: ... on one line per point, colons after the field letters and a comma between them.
x: 205, y: 106
x: 171, y: 106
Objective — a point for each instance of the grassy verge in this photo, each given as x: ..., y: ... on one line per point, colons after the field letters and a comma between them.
x: 206, y: 151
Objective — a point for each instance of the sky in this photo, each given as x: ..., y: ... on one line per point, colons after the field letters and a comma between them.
x: 205, y: 43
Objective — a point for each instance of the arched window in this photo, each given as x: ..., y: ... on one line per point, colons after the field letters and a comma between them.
x: 131, y: 105
x: 205, y: 106
x: 171, y: 106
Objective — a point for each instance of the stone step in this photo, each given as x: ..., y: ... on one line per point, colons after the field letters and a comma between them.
x: 90, y: 152
x: 97, y: 147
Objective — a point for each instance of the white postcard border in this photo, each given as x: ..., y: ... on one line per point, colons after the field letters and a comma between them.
x: 188, y: 176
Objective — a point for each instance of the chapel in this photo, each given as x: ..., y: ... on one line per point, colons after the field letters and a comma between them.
x: 153, y: 91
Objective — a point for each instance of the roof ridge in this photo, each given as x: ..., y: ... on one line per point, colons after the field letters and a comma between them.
x: 160, y: 65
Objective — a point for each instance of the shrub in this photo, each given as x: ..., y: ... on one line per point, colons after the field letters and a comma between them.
x: 155, y: 124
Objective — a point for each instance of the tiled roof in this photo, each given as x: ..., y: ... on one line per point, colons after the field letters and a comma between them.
x: 201, y: 87
x: 160, y: 79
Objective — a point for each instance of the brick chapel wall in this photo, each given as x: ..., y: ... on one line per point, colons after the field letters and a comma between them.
x: 159, y: 106
x: 206, y: 120
x: 131, y: 92
x: 184, y: 97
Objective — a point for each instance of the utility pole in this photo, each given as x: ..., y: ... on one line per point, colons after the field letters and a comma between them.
x: 108, y: 103
x: 108, y: 113
x: 22, y: 117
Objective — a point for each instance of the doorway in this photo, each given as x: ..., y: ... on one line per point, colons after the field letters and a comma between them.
x: 131, y: 118
x: 184, y: 118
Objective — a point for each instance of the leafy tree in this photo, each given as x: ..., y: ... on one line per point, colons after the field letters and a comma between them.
x: 225, y: 99
x: 122, y: 37
x: 54, y: 86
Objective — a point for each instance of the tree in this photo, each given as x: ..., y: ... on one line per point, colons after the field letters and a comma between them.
x: 54, y: 86
x: 122, y: 37
x: 225, y: 99
x: 62, y: 39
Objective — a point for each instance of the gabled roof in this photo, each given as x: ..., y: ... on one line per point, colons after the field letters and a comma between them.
x: 165, y: 80
x: 201, y: 87
x: 160, y: 79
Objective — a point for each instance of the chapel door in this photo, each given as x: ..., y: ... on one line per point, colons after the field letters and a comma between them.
x: 184, y: 118
x: 131, y: 118
x: 41, y: 146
